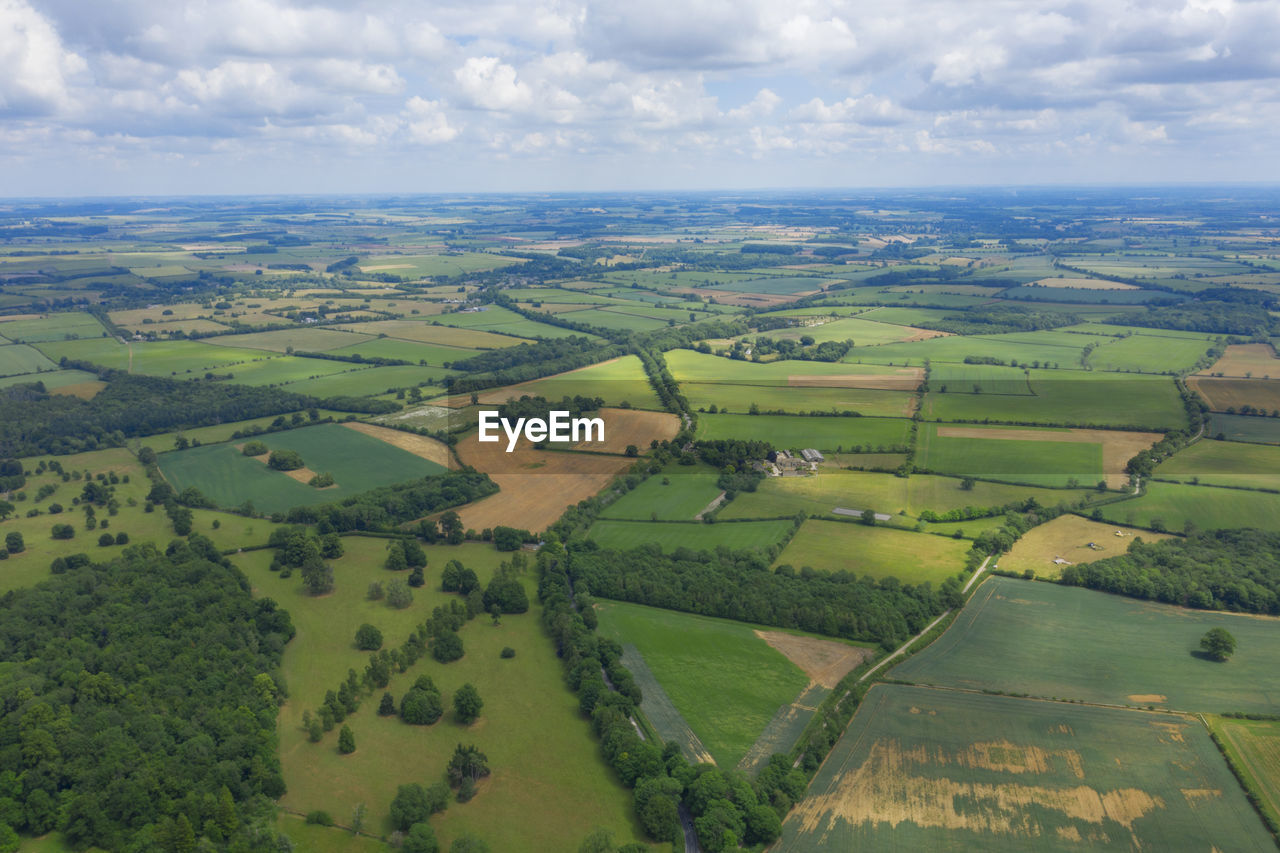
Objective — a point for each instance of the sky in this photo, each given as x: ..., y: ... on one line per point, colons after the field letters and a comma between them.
x: 136, y: 97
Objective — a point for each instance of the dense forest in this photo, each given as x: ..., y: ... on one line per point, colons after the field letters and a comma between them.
x: 1218, y: 570
x: 139, y: 703
x: 1230, y: 312
x: 33, y: 421
x: 387, y: 507
x: 739, y: 585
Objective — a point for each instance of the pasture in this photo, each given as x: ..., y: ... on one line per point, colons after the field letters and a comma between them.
x: 861, y: 332
x: 1248, y: 428
x: 502, y: 321
x: 428, y: 266
x: 678, y: 493
x: 1228, y: 395
x: 1246, y: 361
x: 52, y: 379
x: 668, y: 535
x: 1018, y: 349
x: 879, y: 552
x: 1175, y: 505
x: 1224, y: 463
x: 17, y: 359
x: 615, y: 381
x: 62, y: 326
x: 823, y: 433
x: 609, y: 319
x: 411, y: 351
x: 358, y: 463
x: 1151, y: 353
x: 434, y: 333
x: 978, y: 379
x: 924, y: 769
x: 817, y: 495
x: 1254, y: 747
x: 724, y: 680
x: 739, y: 398
x: 534, y: 757
x: 1038, y: 456
x: 1062, y: 642
x: 366, y: 381
x: 1072, y: 398
x: 1068, y: 537
x: 688, y: 366
x: 284, y: 340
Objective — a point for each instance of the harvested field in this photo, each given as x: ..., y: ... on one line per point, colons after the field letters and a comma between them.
x: 1083, y: 284
x: 906, y: 379
x: 536, y: 485
x: 1117, y: 447
x: 631, y: 426
x: 83, y: 390
x: 1246, y: 361
x: 418, y: 445
x: 922, y: 769
x: 824, y: 661
x: 428, y: 333
x: 1067, y: 537
x: 1232, y: 394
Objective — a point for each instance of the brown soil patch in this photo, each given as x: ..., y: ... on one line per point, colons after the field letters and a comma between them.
x: 1117, y: 447
x: 83, y: 390
x: 1172, y: 730
x: 1223, y: 394
x: 742, y: 300
x: 924, y: 335
x: 418, y: 445
x: 1197, y: 795
x: 1148, y: 698
x: 905, y: 379
x: 1246, y: 361
x: 824, y: 661
x: 536, y: 485
x: 631, y: 426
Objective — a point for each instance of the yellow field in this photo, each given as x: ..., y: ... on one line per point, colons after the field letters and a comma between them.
x: 1246, y: 360
x: 1118, y: 447
x: 1224, y: 394
x: 422, y: 332
x: 418, y: 445
x: 1083, y: 284
x: 83, y: 390
x: 1067, y: 537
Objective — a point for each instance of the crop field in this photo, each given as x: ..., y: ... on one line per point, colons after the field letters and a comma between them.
x: 373, y: 380
x: 822, y: 433
x: 536, y: 485
x: 52, y: 379
x: 412, y: 351
x: 1074, y: 397
x: 281, y: 370
x: 922, y: 769
x: 730, y: 397
x: 833, y: 546
x: 695, y: 367
x: 679, y: 493
x: 425, y: 266
x: 431, y: 333
x: 1254, y: 746
x: 500, y: 320
x: 1063, y: 642
x: 861, y: 332
x: 104, y: 352
x: 1006, y: 455
x: 63, y: 326
x: 784, y: 285
x: 1068, y: 537
x: 358, y: 463
x: 817, y: 495
x: 978, y: 379
x: 745, y: 535
x: 1174, y: 505
x: 725, y: 681
x: 956, y: 348
x: 1224, y: 463
x: 16, y: 359
x: 1153, y: 266
x: 1148, y: 354
x: 1247, y: 428
x: 627, y: 427
x: 419, y: 445
x: 533, y: 756
x: 615, y: 381
x: 1226, y: 395
x: 1239, y: 361
x: 301, y: 339
x: 615, y: 320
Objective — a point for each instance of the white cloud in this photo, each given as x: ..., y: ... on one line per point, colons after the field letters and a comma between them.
x: 489, y: 83
x: 36, y: 66
x: 427, y: 123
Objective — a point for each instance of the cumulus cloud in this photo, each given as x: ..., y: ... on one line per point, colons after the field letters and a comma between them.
x: 35, y: 62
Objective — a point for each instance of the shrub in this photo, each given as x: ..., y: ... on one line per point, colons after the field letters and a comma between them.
x: 14, y: 543
x: 62, y: 531
x: 368, y: 638
x: 399, y: 595
x: 321, y: 818
x: 285, y: 460
x: 251, y: 448
x: 106, y: 539
x: 508, y: 652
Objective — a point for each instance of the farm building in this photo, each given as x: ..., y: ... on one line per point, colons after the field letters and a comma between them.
x: 811, y: 455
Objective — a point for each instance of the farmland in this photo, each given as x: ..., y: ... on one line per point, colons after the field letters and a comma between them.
x: 1225, y: 463
x: 1228, y: 395
x: 835, y: 546
x: 1246, y: 428
x: 746, y: 535
x: 616, y: 381
x: 357, y: 462
x: 1246, y: 361
x: 1045, y: 640
x: 1006, y: 455
x: 679, y: 493
x: 1254, y: 748
x: 799, y: 432
x: 1174, y: 506
x: 725, y: 681
x: 1068, y: 537
x: 936, y: 770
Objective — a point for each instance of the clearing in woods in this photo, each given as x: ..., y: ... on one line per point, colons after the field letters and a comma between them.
x: 1042, y: 639
x: 922, y: 769
x: 1068, y: 537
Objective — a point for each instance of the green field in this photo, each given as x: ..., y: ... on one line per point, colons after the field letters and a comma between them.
x: 1148, y: 354
x: 615, y: 320
x: 53, y: 327
x: 1041, y: 463
x: 412, y: 351
x: 1073, y: 398
x: 283, y: 369
x: 1254, y: 747
x: 302, y: 339
x: 358, y: 463
x: 800, y: 432
x: 861, y: 332
x: 367, y: 381
x: 880, y: 552
x: 16, y: 359
x: 1244, y: 428
x: 783, y: 497
x: 747, y: 535
x: 615, y: 381
x: 1017, y: 349
x: 1225, y: 463
x: 51, y: 379
x: 104, y: 352
x: 922, y: 769
x: 725, y: 682
x: 1063, y: 642
x: 549, y: 787
x: 978, y: 379
x: 503, y: 321
x: 423, y: 266
x: 679, y: 493
x: 1173, y: 505
x: 731, y: 397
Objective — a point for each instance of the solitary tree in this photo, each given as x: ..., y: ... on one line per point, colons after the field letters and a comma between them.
x: 346, y: 741
x: 368, y: 638
x: 1218, y: 644
x: 467, y: 704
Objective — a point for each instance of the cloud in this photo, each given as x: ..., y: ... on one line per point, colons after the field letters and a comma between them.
x: 35, y: 62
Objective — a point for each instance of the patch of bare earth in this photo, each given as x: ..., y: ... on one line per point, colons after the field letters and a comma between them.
x: 824, y: 661
x: 904, y: 379
x: 83, y: 390
x: 1118, y: 447
x: 418, y: 445
x: 1148, y: 698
